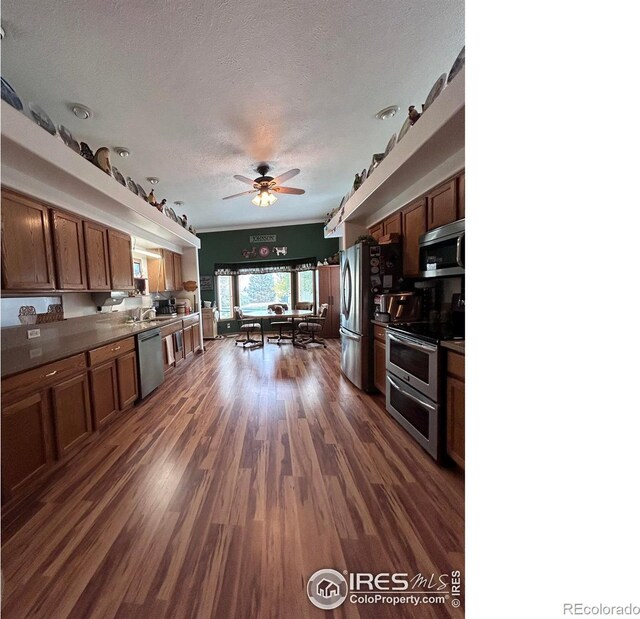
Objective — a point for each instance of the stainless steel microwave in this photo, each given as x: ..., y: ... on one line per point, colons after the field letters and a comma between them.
x: 442, y: 251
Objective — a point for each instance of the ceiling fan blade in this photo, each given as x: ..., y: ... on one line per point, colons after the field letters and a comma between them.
x: 242, y: 193
x: 293, y: 190
x: 286, y: 176
x: 244, y: 179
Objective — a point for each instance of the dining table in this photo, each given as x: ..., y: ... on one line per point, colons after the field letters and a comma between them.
x: 261, y: 315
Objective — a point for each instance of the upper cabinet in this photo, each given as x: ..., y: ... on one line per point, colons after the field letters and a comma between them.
x: 27, y: 254
x: 120, y: 261
x: 392, y: 225
x: 442, y: 204
x: 68, y: 242
x: 414, y: 224
x: 97, y: 256
x: 461, y: 196
x: 165, y: 273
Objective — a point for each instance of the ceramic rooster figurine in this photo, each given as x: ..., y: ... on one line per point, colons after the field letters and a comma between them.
x: 151, y: 199
x: 414, y: 115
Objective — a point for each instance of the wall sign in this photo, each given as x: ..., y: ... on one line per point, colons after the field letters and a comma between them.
x: 262, y: 238
x: 206, y: 282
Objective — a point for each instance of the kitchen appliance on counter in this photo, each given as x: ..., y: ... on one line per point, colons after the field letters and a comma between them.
x: 397, y: 307
x: 365, y: 270
x: 442, y: 251
x: 150, y: 361
x: 165, y: 306
x: 413, y: 381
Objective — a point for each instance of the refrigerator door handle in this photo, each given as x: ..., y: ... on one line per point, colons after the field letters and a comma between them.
x: 349, y: 336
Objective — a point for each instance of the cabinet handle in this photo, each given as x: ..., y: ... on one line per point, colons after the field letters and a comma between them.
x: 51, y: 373
x: 116, y: 348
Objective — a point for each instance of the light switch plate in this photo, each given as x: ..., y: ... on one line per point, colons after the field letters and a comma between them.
x: 31, y: 333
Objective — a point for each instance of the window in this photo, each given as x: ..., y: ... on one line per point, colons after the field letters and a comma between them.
x: 224, y: 296
x: 305, y: 286
x: 258, y: 290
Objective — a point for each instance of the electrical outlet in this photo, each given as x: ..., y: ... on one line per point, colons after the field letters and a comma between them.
x: 228, y: 325
x: 31, y: 333
x: 35, y: 353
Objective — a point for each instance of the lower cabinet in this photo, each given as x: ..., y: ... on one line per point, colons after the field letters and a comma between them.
x: 207, y: 323
x: 71, y: 412
x: 114, y: 379
x: 379, y: 358
x: 187, y: 337
x: 455, y: 407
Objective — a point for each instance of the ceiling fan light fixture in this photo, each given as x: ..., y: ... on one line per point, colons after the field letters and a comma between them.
x: 264, y: 198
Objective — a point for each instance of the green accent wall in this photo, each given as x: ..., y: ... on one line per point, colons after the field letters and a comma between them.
x: 302, y: 241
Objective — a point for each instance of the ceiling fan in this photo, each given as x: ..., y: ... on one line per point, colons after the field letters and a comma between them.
x: 266, y: 186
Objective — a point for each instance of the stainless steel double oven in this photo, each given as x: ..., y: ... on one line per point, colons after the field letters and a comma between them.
x: 413, y: 385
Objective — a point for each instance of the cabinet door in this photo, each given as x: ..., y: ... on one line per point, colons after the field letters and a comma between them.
x: 195, y: 331
x: 455, y: 420
x: 461, y: 196
x: 334, y: 307
x: 414, y: 224
x: 393, y: 224
x: 72, y: 413
x: 177, y: 271
x: 68, y: 243
x: 27, y: 254
x: 104, y: 393
x: 26, y: 445
x: 187, y: 335
x: 376, y: 231
x: 127, y: 380
x: 167, y: 345
x: 442, y: 205
x: 169, y: 282
x: 120, y: 261
x: 379, y: 366
x: 96, y: 247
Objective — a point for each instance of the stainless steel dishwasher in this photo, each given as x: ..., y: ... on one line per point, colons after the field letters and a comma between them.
x: 150, y: 361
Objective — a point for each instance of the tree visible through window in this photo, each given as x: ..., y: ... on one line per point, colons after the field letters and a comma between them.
x: 259, y: 290
x: 225, y: 296
x: 305, y: 286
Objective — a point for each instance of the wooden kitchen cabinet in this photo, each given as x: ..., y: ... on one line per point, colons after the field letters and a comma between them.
x: 187, y: 339
x: 114, y: 379
x: 26, y: 442
x: 328, y: 284
x: 71, y: 412
x: 196, y: 337
x: 69, y: 247
x: 377, y: 231
x: 392, y: 224
x: 455, y: 408
x: 414, y: 225
x: 461, y: 214
x: 207, y: 323
x: 96, y: 246
x: 177, y: 272
x: 442, y: 205
x: 120, y: 261
x: 379, y: 358
x: 45, y: 415
x: 27, y: 248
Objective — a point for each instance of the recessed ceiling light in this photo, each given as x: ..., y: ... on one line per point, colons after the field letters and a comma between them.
x: 178, y: 202
x: 123, y: 152
x: 153, y: 180
x: 81, y: 111
x: 387, y: 112
x: 1, y: 32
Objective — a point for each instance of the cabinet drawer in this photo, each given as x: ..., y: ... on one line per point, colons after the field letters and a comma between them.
x: 192, y: 320
x: 111, y: 351
x: 45, y: 375
x: 455, y: 364
x: 379, y: 333
x: 169, y: 329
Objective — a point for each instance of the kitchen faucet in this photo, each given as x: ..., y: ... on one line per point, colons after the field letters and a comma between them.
x: 142, y: 314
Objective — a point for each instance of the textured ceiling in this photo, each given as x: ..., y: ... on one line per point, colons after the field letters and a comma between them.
x: 202, y: 90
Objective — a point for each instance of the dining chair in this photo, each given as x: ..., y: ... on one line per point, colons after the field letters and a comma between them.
x: 309, y: 329
x: 280, y: 324
x: 247, y: 326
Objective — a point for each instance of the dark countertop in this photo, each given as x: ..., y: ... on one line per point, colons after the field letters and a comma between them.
x: 380, y: 324
x: 35, y: 353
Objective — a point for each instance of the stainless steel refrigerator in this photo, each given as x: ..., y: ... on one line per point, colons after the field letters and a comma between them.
x: 365, y: 270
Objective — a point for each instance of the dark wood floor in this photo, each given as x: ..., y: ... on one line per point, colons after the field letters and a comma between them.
x: 242, y: 475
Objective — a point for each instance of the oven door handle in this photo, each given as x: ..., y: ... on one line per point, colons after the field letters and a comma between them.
x: 412, y: 344
x: 410, y: 396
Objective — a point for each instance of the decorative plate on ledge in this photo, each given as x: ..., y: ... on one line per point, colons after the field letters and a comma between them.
x: 118, y: 176
x: 41, y: 118
x: 390, y: 145
x: 457, y: 65
x: 131, y: 185
x: 436, y: 89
